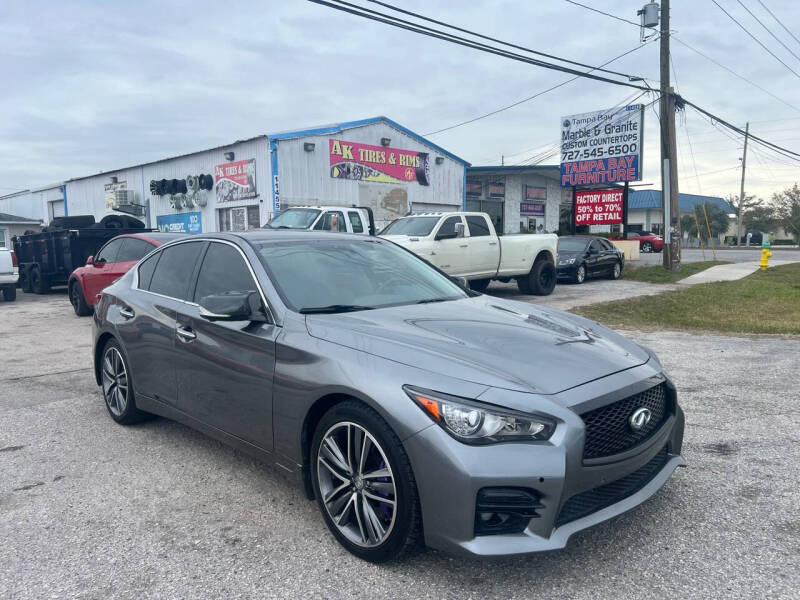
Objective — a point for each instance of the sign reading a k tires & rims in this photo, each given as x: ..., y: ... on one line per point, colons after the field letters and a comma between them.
x: 362, y: 162
x: 236, y: 180
x: 602, y: 147
x: 598, y: 207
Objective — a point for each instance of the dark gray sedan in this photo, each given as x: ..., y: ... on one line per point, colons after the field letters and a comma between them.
x: 413, y: 410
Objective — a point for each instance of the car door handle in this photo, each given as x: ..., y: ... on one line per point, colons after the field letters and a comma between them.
x: 127, y: 312
x: 186, y: 334
x: 463, y: 245
x: 493, y: 243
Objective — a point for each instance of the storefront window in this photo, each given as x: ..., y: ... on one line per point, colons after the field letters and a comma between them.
x: 239, y: 218
x: 532, y: 210
x: 497, y: 189
x: 474, y: 188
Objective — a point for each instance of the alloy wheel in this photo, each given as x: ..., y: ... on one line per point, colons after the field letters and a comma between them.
x: 617, y: 270
x: 581, y: 274
x: 356, y: 484
x: 647, y: 247
x: 115, y: 382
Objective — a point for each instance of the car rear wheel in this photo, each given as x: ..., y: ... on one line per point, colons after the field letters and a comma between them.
x: 616, y: 272
x: 541, y: 281
x: 363, y: 483
x: 39, y: 283
x: 76, y: 298
x: 647, y: 247
x: 118, y: 386
x: 580, y: 274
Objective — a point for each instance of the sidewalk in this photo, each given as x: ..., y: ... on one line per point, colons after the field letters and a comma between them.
x: 729, y: 272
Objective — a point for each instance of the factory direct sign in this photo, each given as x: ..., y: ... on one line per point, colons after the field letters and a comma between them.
x: 236, y: 180
x: 598, y: 207
x: 362, y: 162
x: 602, y: 147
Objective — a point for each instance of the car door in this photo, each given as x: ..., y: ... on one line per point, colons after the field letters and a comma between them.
x: 594, y: 260
x: 483, y: 252
x: 449, y: 252
x: 161, y: 288
x: 609, y: 255
x: 225, y: 368
x: 103, y: 273
x: 332, y: 220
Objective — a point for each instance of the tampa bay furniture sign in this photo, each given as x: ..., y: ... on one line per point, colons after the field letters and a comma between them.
x: 362, y: 162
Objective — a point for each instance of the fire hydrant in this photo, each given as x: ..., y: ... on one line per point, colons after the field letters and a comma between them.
x: 765, y: 254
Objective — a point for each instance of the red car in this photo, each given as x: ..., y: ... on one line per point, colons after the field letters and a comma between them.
x: 110, y: 263
x: 648, y: 242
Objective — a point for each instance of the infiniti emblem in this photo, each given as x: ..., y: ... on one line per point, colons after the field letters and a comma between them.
x: 640, y: 418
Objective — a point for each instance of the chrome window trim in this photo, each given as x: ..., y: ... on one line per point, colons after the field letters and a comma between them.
x: 135, y: 282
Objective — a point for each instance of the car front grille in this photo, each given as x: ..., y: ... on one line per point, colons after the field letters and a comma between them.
x: 608, y: 428
x: 595, y: 499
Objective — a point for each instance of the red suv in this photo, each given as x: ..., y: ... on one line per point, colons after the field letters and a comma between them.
x: 110, y: 263
x: 648, y: 242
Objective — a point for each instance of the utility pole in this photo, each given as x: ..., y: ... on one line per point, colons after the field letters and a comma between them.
x: 741, y: 191
x: 669, y: 173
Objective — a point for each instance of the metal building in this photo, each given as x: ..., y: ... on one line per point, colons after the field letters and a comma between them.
x: 373, y: 162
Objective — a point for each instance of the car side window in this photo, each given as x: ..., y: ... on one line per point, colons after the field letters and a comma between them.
x: 133, y: 249
x: 146, y: 271
x: 174, y: 270
x: 477, y: 226
x: 109, y: 252
x: 355, y: 222
x: 607, y: 245
x: 223, y: 270
x: 595, y: 246
x: 331, y: 221
x: 449, y: 226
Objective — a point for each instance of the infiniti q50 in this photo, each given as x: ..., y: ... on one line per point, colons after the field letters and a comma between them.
x: 413, y: 410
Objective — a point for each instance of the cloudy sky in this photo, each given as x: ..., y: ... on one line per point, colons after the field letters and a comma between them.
x: 92, y: 86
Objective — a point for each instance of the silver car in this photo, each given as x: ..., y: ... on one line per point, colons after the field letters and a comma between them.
x: 413, y: 410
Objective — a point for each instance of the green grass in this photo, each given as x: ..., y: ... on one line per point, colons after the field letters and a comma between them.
x: 658, y: 274
x: 764, y: 302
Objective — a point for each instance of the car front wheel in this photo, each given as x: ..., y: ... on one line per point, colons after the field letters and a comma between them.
x: 363, y: 483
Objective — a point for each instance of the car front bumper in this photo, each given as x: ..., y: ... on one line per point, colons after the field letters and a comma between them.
x: 449, y: 474
x: 567, y: 271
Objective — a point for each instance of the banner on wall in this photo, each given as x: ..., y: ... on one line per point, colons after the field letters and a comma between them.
x: 362, y: 162
x: 180, y: 223
x: 531, y: 209
x: 598, y: 207
x: 236, y: 180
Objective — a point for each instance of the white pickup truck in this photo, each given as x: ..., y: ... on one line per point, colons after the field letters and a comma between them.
x: 346, y: 219
x: 9, y: 274
x: 465, y: 244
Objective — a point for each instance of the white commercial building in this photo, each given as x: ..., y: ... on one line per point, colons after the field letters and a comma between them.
x: 374, y: 163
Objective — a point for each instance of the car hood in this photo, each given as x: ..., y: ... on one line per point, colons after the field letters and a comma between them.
x: 486, y: 340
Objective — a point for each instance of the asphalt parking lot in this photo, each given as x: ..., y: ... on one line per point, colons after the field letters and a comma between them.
x: 89, y: 509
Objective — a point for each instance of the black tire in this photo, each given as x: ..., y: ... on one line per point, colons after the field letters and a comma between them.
x: 112, y: 222
x: 25, y: 279
x: 647, y: 247
x: 78, y: 301
x: 10, y: 293
x: 616, y: 271
x: 39, y: 283
x: 74, y: 222
x: 523, y: 285
x: 541, y: 281
x: 129, y: 414
x: 580, y: 274
x: 405, y: 534
x: 479, y: 285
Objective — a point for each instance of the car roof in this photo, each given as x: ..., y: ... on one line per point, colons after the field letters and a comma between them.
x: 159, y: 237
x: 272, y: 235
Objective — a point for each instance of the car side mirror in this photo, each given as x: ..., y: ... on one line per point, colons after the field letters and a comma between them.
x: 459, y: 230
x: 232, y: 306
x: 460, y: 281
x: 90, y: 260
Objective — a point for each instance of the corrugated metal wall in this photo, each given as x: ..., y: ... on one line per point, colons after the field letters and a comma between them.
x: 31, y: 204
x: 87, y: 196
x: 304, y: 177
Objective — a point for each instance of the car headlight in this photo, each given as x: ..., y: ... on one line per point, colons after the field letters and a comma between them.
x: 566, y: 261
x: 477, y: 423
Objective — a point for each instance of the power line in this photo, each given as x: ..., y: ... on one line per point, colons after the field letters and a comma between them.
x: 734, y: 73
x: 480, y: 35
x: 603, y: 13
x: 778, y: 21
x: 769, y: 31
x: 421, y: 29
x: 529, y: 98
x: 760, y: 43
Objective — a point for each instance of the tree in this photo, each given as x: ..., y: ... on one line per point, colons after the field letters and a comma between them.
x: 761, y: 218
x: 740, y: 208
x: 718, y: 221
x: 787, y: 205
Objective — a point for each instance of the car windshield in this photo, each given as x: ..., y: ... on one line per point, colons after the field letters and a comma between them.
x: 411, y: 226
x: 294, y: 218
x: 321, y: 275
x: 571, y: 244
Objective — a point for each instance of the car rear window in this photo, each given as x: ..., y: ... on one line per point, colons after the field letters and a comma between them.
x: 174, y: 270
x: 146, y: 271
x: 133, y: 249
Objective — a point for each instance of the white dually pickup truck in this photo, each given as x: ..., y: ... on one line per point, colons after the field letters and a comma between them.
x: 465, y: 244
